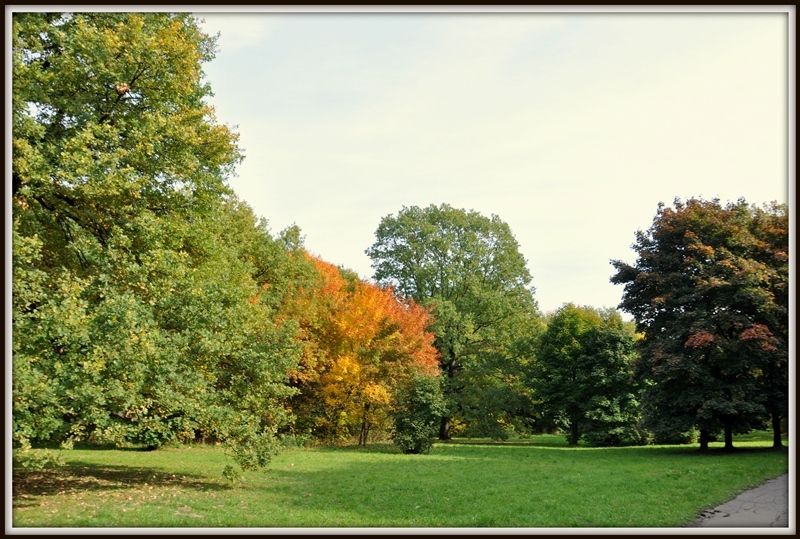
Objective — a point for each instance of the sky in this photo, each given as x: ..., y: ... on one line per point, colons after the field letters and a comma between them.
x: 570, y: 127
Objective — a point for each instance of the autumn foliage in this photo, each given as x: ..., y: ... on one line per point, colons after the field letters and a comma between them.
x: 361, y: 343
x: 710, y: 294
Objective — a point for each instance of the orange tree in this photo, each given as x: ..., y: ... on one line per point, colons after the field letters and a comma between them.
x: 361, y: 344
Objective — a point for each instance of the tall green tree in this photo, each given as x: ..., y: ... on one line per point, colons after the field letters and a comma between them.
x: 583, y: 376
x: 709, y: 292
x: 468, y: 269
x: 134, y: 267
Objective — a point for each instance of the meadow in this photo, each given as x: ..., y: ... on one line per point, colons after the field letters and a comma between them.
x: 536, y: 482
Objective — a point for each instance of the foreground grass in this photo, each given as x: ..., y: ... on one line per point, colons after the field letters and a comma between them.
x: 541, y: 483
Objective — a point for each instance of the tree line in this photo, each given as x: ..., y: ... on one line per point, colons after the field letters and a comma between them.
x: 150, y: 305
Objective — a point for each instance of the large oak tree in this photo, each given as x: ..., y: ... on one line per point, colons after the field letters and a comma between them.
x: 133, y: 260
x: 468, y: 269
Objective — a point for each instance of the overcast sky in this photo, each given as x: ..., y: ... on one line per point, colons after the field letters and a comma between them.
x: 570, y: 127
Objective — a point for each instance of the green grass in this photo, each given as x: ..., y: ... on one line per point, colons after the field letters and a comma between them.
x: 538, y: 482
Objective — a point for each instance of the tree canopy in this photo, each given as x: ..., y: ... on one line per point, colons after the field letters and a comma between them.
x: 583, y: 376
x: 709, y: 292
x: 468, y: 269
x: 134, y: 263
x: 150, y: 305
x: 361, y: 346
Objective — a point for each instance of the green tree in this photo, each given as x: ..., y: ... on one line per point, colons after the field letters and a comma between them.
x: 136, y: 315
x: 583, y: 376
x: 614, y: 411
x: 468, y: 269
x: 709, y: 292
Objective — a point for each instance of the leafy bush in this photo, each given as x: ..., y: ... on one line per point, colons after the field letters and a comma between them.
x: 37, y: 459
x: 678, y: 435
x: 614, y: 422
x: 616, y: 436
x: 488, y: 426
x: 420, y: 406
x: 293, y: 440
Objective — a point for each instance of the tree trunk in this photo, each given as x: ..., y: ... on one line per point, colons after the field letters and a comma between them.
x: 573, y: 437
x: 728, y: 437
x: 362, y: 436
x: 776, y: 430
x: 444, y: 429
x: 704, y: 439
x: 450, y: 369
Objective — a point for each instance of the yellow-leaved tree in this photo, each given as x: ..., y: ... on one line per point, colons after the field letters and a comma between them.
x: 360, y: 343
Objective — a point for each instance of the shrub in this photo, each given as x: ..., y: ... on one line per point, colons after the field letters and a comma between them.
x: 675, y: 436
x: 419, y: 408
x: 614, y: 422
x: 37, y: 459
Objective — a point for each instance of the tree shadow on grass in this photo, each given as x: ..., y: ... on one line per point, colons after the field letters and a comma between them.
x: 390, y: 448
x: 503, y: 443
x: 694, y: 451
x: 73, y: 478
x: 100, y: 446
x: 386, y: 448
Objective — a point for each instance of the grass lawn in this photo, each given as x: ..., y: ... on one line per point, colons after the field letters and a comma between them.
x: 539, y: 482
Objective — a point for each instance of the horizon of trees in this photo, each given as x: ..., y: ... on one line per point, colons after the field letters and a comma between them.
x: 151, y: 306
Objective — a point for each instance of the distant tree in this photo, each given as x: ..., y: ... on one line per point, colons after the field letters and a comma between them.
x: 583, y: 376
x: 709, y: 293
x: 468, y: 270
x: 614, y: 412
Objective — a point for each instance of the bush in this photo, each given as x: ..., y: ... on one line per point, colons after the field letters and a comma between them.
x: 614, y: 423
x: 293, y: 440
x: 615, y: 436
x: 27, y: 457
x: 488, y: 426
x: 419, y: 408
x: 676, y: 436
